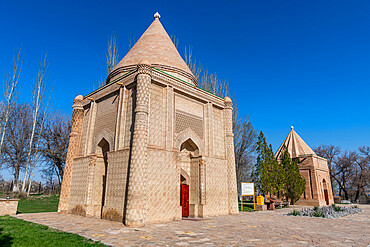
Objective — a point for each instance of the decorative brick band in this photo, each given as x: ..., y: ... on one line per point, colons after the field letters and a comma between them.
x: 144, y: 69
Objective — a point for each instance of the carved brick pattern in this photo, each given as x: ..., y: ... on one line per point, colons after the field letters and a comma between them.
x: 156, y: 115
x: 217, y: 187
x: 129, y: 103
x: 136, y: 197
x: 105, y: 117
x: 74, y: 147
x: 230, y: 156
x: 163, y: 183
x: 116, y: 181
x: 203, y: 181
x: 194, y: 182
x: 184, y: 121
x: 218, y: 132
x: 79, y: 182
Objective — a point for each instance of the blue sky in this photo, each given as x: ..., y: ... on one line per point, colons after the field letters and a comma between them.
x: 300, y: 63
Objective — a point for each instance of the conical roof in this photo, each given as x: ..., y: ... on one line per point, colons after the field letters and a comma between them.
x: 295, y: 144
x: 156, y: 47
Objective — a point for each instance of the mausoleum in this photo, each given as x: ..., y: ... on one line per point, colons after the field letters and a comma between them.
x: 150, y: 146
x: 312, y: 167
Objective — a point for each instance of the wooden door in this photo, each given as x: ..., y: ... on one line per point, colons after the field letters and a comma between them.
x: 185, y: 200
x: 326, y: 197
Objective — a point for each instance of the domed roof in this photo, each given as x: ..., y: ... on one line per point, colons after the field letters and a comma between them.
x: 295, y: 144
x: 156, y: 47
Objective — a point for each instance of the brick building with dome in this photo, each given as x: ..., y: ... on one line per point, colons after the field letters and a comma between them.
x: 150, y: 146
x: 313, y: 168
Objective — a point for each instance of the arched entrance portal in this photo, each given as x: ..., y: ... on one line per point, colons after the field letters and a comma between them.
x: 326, y: 193
x: 103, y: 151
x: 189, y: 179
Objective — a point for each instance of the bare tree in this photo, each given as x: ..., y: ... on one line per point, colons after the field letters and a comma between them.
x: 16, y: 142
x: 37, y: 103
x: 55, y: 138
x: 192, y: 63
x: 330, y: 153
x: 348, y: 170
x: 245, y: 138
x: 344, y: 168
x: 132, y: 41
x: 9, y: 90
x: 112, y: 53
x: 36, y: 156
x: 175, y: 41
x: 362, y: 176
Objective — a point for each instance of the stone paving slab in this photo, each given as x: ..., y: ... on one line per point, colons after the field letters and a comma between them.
x: 267, y: 228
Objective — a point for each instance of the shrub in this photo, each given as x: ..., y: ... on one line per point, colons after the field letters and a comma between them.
x: 336, y: 208
x: 295, y: 213
x: 316, y: 208
x: 317, y: 214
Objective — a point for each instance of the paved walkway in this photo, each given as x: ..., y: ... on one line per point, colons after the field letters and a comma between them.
x: 269, y: 228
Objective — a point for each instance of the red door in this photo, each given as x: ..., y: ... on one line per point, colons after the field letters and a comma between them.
x: 185, y: 200
x: 326, y: 197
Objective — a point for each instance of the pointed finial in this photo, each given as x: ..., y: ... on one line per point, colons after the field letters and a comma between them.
x: 291, y: 127
x: 157, y: 16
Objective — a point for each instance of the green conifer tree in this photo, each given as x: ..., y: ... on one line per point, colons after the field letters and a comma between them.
x: 259, y: 173
x: 267, y: 174
x: 294, y: 184
x: 278, y: 176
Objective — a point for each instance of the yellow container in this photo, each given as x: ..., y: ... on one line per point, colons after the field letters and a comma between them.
x: 260, y: 200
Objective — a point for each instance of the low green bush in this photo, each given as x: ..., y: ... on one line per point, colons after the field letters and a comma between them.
x: 317, y: 214
x: 294, y: 213
x: 336, y: 208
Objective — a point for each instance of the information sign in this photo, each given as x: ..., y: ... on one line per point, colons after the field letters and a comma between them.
x: 247, y: 189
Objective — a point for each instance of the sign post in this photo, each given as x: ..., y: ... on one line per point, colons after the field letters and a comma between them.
x: 247, y: 189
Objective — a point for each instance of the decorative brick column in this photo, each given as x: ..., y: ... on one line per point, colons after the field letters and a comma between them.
x: 230, y: 157
x: 74, y: 149
x: 136, y: 196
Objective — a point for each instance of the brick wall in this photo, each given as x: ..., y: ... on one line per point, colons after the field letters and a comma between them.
x: 218, y: 132
x: 79, y: 183
x: 116, y: 185
x: 129, y: 106
x: 8, y: 206
x: 105, y: 118
x: 216, y: 187
x: 157, y: 118
x: 163, y: 186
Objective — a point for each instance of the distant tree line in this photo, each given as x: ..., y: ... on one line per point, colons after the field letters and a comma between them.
x: 349, y: 170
